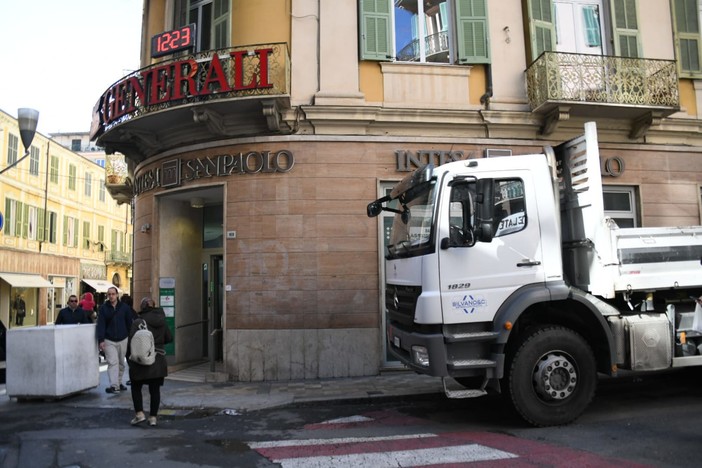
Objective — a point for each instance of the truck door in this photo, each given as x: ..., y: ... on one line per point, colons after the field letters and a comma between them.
x: 476, y: 277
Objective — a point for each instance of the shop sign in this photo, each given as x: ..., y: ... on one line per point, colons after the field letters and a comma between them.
x: 407, y: 161
x: 238, y: 72
x: 174, y: 172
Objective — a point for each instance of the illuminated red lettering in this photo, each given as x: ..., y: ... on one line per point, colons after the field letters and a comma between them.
x: 184, y: 79
x: 215, y: 76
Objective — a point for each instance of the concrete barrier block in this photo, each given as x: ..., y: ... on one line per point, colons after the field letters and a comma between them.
x: 51, y: 361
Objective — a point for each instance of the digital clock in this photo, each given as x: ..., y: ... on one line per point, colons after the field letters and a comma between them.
x: 169, y: 42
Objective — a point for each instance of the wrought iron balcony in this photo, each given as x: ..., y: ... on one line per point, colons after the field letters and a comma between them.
x: 633, y: 88
x: 113, y: 256
x: 204, y: 96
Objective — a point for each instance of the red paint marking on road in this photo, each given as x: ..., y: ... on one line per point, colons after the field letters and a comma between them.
x: 530, y: 453
x: 540, y: 453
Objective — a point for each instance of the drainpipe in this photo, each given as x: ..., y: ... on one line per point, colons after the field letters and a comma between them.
x: 485, y: 98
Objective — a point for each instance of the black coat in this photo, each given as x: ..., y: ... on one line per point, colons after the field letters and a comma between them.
x: 68, y: 316
x: 155, y: 320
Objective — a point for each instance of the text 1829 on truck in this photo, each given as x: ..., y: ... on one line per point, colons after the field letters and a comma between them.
x: 504, y: 274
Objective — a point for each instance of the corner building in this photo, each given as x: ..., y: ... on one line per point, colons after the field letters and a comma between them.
x: 255, y: 139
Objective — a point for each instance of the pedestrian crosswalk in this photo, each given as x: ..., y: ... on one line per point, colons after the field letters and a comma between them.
x: 390, y: 451
x: 403, y: 447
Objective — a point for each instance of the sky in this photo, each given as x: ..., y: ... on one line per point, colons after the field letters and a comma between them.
x: 59, y: 56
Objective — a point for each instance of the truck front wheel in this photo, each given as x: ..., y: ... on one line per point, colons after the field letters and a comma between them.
x: 552, y: 377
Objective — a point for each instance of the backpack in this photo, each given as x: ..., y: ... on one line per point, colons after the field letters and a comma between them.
x: 141, y: 348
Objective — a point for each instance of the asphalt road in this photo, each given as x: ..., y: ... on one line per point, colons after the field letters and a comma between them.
x: 654, y: 421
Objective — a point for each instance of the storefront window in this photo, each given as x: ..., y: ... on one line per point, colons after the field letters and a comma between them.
x: 23, y: 307
x: 213, y: 230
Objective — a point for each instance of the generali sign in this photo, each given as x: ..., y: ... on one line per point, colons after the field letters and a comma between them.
x: 238, y: 73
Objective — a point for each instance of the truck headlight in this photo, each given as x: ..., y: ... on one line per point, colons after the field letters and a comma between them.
x: 420, y: 356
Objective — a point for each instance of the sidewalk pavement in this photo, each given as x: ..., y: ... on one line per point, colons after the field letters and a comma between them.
x: 178, y: 395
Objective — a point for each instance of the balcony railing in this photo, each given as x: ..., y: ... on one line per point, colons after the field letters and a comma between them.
x: 112, y: 256
x: 559, y: 77
x: 434, y: 45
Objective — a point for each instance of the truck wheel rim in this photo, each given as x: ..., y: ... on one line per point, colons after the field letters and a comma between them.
x: 555, y: 377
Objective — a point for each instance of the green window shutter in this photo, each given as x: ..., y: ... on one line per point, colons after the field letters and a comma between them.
x: 41, y: 225
x: 687, y: 35
x: 471, y: 16
x: 75, y: 232
x: 542, y: 27
x: 65, y: 230
x: 376, y: 29
x: 625, y: 28
x: 8, y: 220
x: 25, y: 221
x: 19, y: 209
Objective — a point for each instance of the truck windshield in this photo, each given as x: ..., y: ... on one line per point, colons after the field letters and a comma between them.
x: 411, y: 230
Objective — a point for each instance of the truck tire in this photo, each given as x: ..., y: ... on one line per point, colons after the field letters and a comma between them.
x: 552, y: 377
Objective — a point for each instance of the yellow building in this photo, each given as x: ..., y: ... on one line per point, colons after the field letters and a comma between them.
x: 256, y: 133
x: 61, y: 231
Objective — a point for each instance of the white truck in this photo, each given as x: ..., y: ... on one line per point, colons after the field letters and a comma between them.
x: 504, y: 274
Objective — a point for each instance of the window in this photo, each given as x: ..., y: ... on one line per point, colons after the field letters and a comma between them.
x: 34, y: 160
x: 51, y: 227
x: 101, y: 237
x: 686, y: 21
x: 54, y: 170
x: 213, y: 227
x: 70, y: 231
x: 88, y: 184
x: 439, y: 31
x: 100, y: 162
x: 620, y: 205
x: 117, y: 240
x: 579, y: 26
x: 510, y: 210
x: 31, y: 222
x: 86, y: 234
x: 71, y: 177
x: 12, y: 149
x: 211, y: 18
x: 75, y: 145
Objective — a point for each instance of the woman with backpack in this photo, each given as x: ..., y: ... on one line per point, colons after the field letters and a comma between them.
x: 153, y: 374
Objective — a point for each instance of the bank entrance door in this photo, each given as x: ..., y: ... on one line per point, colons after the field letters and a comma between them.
x: 212, y: 308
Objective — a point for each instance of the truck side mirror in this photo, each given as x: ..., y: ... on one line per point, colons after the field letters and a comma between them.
x: 485, y: 191
x: 373, y: 209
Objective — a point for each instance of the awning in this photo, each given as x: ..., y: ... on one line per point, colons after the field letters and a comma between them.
x: 21, y: 280
x: 100, y: 286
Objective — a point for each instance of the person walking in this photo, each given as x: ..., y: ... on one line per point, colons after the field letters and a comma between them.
x: 113, y: 324
x: 87, y: 303
x: 72, y: 313
x: 154, y: 374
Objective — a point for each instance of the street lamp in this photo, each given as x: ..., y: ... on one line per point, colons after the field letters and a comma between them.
x: 27, y: 120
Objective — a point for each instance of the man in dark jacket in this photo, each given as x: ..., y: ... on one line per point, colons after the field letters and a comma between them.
x: 72, y: 313
x: 152, y: 375
x: 113, y: 324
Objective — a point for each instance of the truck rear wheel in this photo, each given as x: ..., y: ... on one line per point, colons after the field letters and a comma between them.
x: 552, y: 377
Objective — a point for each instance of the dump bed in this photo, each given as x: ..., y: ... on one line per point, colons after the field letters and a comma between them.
x: 602, y: 258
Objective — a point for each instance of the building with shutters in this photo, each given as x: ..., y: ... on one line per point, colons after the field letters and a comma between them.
x: 256, y: 133
x: 60, y: 231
